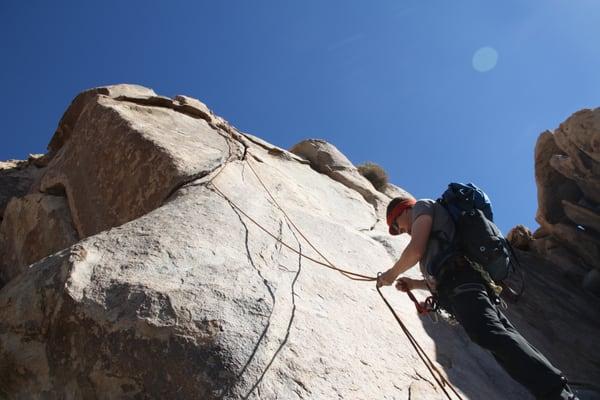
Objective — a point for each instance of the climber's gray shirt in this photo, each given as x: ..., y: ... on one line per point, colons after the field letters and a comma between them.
x: 442, y: 223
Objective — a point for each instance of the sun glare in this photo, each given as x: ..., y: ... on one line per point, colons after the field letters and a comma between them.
x: 485, y: 59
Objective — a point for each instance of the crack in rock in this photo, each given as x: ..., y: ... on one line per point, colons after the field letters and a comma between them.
x: 269, y: 289
x: 292, y: 316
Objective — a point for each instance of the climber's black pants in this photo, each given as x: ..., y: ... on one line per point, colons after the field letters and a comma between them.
x: 465, y: 295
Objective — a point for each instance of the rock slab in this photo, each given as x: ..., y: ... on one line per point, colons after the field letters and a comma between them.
x: 174, y: 291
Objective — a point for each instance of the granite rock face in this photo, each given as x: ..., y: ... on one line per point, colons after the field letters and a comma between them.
x: 16, y: 179
x: 125, y: 155
x: 172, y: 291
x: 327, y: 159
x: 34, y: 226
x: 567, y: 171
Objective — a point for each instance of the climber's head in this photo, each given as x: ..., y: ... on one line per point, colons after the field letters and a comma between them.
x: 398, y: 215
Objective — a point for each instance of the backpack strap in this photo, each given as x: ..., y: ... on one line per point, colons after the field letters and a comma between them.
x: 443, y: 262
x: 450, y: 246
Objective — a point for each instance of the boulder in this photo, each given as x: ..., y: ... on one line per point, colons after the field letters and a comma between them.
x: 69, y: 119
x: 124, y: 159
x: 567, y: 165
x: 323, y: 157
x: 327, y: 159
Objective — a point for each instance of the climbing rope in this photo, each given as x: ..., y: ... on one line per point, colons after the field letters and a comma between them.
x: 440, y: 379
x: 348, y: 274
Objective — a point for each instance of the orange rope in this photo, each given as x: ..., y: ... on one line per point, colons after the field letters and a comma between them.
x: 439, y: 378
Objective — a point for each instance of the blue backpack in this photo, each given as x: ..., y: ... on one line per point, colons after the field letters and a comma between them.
x: 476, y: 235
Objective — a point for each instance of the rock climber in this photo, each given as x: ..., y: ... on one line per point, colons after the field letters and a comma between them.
x: 463, y: 292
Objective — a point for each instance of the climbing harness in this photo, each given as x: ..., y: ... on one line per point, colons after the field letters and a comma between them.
x: 428, y: 305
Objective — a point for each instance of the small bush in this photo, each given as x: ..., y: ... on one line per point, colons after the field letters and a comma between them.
x: 375, y: 174
x: 520, y: 237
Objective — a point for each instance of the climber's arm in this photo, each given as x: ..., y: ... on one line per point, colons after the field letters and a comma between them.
x: 413, y: 253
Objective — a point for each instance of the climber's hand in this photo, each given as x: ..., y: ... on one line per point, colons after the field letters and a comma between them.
x: 387, y: 278
x: 405, y: 284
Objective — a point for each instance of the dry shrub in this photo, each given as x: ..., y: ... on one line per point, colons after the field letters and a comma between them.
x: 520, y: 237
x: 375, y: 174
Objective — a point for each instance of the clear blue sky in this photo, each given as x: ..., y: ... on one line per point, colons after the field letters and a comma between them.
x: 387, y: 81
